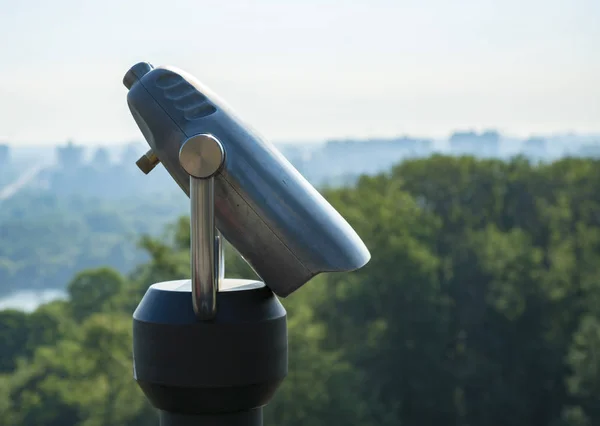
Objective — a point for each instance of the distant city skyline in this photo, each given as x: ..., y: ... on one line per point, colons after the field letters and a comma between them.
x: 336, y: 162
x: 306, y: 71
x: 593, y: 137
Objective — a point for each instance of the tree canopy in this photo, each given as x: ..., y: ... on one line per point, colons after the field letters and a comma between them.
x: 479, y: 307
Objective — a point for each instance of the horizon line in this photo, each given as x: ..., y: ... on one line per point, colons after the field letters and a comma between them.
x: 503, y: 136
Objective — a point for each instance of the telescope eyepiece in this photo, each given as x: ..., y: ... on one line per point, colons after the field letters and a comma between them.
x: 135, y: 73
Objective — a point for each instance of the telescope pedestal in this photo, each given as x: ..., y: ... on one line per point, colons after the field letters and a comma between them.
x: 244, y: 418
x: 210, y: 373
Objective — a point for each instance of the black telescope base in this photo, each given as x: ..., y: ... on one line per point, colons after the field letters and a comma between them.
x: 210, y: 373
x: 243, y: 418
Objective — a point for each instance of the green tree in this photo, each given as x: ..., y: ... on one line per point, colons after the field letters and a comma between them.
x: 94, y: 291
x: 394, y: 306
x: 13, y: 338
x: 82, y: 380
x: 479, y: 306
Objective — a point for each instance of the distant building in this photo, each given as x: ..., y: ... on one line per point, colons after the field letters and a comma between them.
x: 486, y: 144
x: 131, y: 153
x: 69, y: 156
x: 535, y: 147
x: 341, y: 157
x: 396, y: 145
x: 590, y: 150
x: 534, y: 143
x: 4, y: 154
x: 101, y: 158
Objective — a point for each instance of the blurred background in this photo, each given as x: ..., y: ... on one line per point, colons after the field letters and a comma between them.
x: 460, y: 139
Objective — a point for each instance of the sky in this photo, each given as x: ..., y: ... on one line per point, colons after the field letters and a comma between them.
x: 306, y: 70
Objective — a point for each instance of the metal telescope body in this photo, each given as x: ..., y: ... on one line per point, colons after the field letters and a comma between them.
x: 218, y: 360
x: 264, y: 207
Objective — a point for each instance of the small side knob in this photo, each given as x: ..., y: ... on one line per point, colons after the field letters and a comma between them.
x: 147, y: 162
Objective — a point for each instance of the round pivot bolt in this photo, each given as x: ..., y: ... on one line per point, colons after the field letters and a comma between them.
x: 201, y: 156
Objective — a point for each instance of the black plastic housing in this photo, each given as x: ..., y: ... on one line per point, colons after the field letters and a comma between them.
x: 221, y: 371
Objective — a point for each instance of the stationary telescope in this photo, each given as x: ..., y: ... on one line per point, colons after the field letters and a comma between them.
x: 211, y: 350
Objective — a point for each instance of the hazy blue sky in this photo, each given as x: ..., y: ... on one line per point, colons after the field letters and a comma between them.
x: 306, y: 70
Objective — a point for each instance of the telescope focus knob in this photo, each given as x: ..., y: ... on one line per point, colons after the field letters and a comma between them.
x: 147, y: 162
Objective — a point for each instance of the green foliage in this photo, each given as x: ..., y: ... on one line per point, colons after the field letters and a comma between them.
x: 321, y: 387
x: 93, y: 291
x: 479, y: 307
x: 80, y: 380
x: 13, y: 338
x: 46, y: 239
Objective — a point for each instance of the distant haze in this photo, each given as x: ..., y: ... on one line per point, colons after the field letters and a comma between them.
x: 306, y: 70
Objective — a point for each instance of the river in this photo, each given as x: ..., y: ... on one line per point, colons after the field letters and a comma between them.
x: 28, y: 176
x: 29, y: 300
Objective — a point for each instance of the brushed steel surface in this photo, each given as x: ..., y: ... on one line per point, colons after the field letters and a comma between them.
x: 264, y: 207
x: 201, y: 156
x: 202, y: 248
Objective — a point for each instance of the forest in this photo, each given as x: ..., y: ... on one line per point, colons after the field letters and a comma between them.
x: 480, y: 306
x: 46, y: 238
